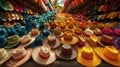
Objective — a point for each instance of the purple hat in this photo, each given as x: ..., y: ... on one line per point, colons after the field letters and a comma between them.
x: 107, y: 31
x: 116, y: 32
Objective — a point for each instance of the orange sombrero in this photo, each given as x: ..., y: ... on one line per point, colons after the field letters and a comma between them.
x: 109, y: 54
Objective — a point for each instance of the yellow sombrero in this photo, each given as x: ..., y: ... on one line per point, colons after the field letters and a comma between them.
x: 109, y: 54
x: 68, y: 38
x: 87, y: 57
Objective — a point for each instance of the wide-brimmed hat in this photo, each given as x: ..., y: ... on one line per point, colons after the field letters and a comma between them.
x: 4, y: 55
x: 89, y: 32
x: 77, y: 31
x: 19, y: 56
x: 66, y: 52
x: 26, y: 40
x: 43, y: 55
x: 52, y: 41
x: 109, y: 54
x: 4, y: 4
x: 3, y: 41
x: 87, y: 57
x: 68, y: 38
x: 34, y: 32
x: 104, y: 40
x: 58, y: 32
x: 13, y: 41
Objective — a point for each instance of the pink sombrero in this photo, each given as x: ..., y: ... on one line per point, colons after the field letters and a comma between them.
x: 19, y: 56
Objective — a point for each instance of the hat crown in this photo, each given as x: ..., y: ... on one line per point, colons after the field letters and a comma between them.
x: 57, y: 30
x: 18, y: 53
x: 51, y: 38
x: 87, y: 52
x: 13, y: 39
x: 88, y: 31
x: 45, y: 49
x: 68, y: 35
x: 3, y: 52
x: 110, y: 52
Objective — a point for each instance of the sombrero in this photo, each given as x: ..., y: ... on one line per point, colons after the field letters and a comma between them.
x: 4, y: 4
x: 34, y: 32
x: 19, y: 56
x: 88, y: 31
x: 104, y: 40
x: 68, y: 38
x: 77, y: 31
x: 58, y: 32
x: 116, y: 42
x: 4, y: 55
x: 26, y: 40
x: 66, y: 52
x: 13, y: 41
x: 87, y: 57
x: 52, y: 41
x: 109, y: 54
x: 43, y: 55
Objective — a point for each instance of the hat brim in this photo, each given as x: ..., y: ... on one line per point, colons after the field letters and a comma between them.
x: 74, y: 41
x: 39, y: 60
x: 7, y: 57
x: 16, y: 63
x: 99, y: 42
x: 59, y: 35
x: 88, y: 62
x: 57, y: 43
x: 13, y: 45
x: 27, y: 43
x: 73, y: 56
x: 99, y: 51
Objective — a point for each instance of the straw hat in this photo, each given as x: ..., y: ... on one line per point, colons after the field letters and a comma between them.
x: 104, y: 40
x: 52, y: 41
x: 109, y: 54
x: 34, y: 32
x: 88, y: 31
x: 77, y: 31
x: 87, y: 57
x: 19, y: 56
x: 43, y: 55
x: 26, y: 40
x: 58, y: 32
x: 4, y: 55
x: 13, y: 41
x: 68, y: 38
x: 66, y: 52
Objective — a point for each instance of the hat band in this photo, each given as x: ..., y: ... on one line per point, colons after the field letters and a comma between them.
x: 19, y: 58
x: 44, y: 56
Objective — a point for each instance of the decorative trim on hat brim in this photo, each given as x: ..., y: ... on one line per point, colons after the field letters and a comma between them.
x: 74, y: 40
x: 39, y: 60
x: 99, y: 51
x: 13, y: 63
x: 88, y: 62
x: 73, y: 56
x: 57, y: 43
x: 12, y: 45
